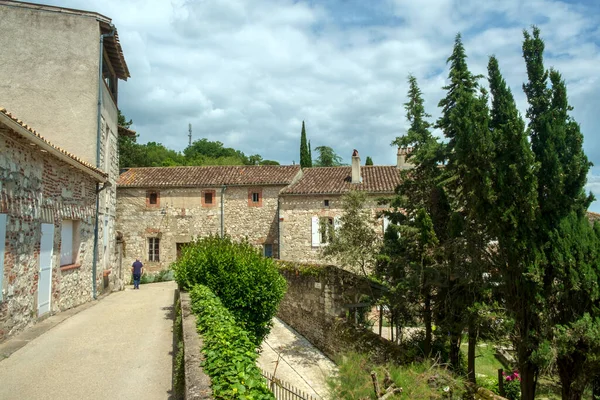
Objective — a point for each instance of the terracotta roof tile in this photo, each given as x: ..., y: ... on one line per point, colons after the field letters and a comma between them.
x: 338, y: 180
x: 34, y: 133
x: 209, y: 176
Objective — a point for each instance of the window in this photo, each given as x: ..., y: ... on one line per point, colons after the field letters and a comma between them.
x: 268, y: 250
x: 326, y: 203
x: 208, y: 198
x: 3, y: 223
x: 255, y: 197
x: 69, y: 242
x: 323, y: 230
x: 153, y: 249
x: 153, y: 198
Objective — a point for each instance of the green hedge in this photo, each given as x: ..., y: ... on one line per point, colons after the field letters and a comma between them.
x: 230, y: 356
x: 248, y: 284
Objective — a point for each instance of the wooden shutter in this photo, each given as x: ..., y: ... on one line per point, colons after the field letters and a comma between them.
x: 316, y: 233
x: 386, y: 223
x: 66, y: 242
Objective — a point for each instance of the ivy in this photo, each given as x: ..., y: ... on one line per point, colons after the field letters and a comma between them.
x: 230, y: 356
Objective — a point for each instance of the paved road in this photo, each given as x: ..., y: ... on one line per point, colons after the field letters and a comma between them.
x: 300, y: 363
x: 119, y: 348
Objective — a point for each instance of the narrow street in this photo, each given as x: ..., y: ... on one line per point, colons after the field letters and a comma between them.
x: 120, y: 348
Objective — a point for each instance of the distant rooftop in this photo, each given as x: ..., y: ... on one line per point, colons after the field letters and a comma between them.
x: 242, y: 175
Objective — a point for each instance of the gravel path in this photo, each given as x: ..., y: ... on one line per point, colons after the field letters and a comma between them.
x: 120, y: 348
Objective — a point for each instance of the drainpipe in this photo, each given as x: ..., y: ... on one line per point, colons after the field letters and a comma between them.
x: 98, y: 137
x: 223, y: 211
x: 278, y: 228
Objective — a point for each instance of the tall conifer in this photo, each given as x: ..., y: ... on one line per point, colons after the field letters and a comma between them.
x: 304, y: 151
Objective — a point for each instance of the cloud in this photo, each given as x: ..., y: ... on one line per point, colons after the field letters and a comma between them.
x: 248, y: 73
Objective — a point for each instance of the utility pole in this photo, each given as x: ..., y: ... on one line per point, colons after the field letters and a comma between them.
x: 190, y: 135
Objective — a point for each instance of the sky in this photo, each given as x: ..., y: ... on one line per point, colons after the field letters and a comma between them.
x: 248, y: 72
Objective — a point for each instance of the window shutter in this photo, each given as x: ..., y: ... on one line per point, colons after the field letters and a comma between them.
x: 315, y: 231
x: 66, y: 242
x: 337, y: 224
x: 386, y: 223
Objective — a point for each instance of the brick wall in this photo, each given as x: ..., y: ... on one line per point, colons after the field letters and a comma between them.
x: 37, y: 188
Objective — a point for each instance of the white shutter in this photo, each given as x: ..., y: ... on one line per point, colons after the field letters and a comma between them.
x: 66, y: 242
x: 316, y: 233
x: 386, y: 223
x: 337, y: 224
x: 3, y: 223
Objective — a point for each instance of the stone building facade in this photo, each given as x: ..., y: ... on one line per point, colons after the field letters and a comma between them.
x: 277, y: 208
x: 68, y: 91
x: 161, y: 209
x: 316, y: 200
x: 47, y: 211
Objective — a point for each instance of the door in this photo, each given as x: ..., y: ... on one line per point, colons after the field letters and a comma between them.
x: 45, y: 277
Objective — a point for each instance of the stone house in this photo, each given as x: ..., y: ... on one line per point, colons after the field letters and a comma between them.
x: 160, y: 209
x: 278, y: 208
x: 314, y: 202
x: 60, y: 71
x: 74, y: 62
x: 47, y: 211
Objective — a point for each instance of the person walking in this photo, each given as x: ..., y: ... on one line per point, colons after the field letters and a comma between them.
x: 137, y: 269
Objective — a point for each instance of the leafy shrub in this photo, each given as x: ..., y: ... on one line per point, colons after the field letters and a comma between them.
x: 230, y: 356
x: 247, y: 283
x: 160, y: 276
x: 512, y: 385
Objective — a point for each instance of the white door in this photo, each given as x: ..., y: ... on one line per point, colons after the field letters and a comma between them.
x: 45, y: 277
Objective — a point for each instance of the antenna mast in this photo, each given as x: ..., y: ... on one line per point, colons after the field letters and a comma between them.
x: 190, y: 135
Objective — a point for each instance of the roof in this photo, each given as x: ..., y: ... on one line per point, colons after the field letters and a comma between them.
x: 112, y: 44
x: 592, y: 216
x: 34, y: 137
x: 245, y: 175
x: 126, y: 132
x: 338, y: 180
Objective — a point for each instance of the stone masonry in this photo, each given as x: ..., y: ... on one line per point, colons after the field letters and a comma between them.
x: 182, y: 215
x: 37, y: 188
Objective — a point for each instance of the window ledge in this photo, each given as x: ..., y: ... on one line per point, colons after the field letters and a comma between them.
x: 68, y: 267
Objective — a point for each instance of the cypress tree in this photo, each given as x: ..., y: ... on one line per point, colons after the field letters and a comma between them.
x: 570, y: 265
x: 468, y: 177
x: 369, y: 161
x: 309, y: 155
x: 513, y: 221
x: 304, y: 151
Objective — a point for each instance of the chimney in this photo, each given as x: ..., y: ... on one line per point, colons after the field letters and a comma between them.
x: 356, y: 177
x: 402, y: 152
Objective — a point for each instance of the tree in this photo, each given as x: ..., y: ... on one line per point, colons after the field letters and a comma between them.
x: 464, y: 121
x: 355, y: 243
x: 408, y: 263
x: 310, y: 163
x: 130, y: 152
x: 327, y: 157
x: 513, y: 222
x: 304, y: 150
x: 369, y: 161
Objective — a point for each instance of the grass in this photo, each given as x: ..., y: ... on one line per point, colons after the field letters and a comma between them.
x: 418, y: 381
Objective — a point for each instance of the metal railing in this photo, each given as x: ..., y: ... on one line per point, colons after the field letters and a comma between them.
x: 283, y: 390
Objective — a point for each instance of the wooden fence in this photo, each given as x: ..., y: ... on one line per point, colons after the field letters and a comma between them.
x: 283, y: 390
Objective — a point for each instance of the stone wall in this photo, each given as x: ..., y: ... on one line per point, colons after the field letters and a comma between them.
x: 37, y: 188
x: 316, y: 303
x: 181, y: 215
x: 295, y: 223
